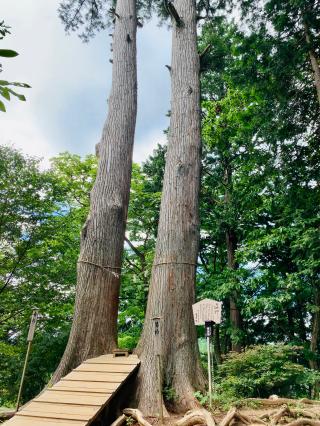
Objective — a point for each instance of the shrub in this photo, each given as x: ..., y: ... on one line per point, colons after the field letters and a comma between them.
x: 264, y: 370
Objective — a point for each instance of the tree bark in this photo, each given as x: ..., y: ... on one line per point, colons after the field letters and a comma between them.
x: 217, y: 344
x: 315, y: 330
x: 314, y: 343
x: 94, y: 327
x: 172, y: 287
x: 231, y: 243
x: 313, y: 60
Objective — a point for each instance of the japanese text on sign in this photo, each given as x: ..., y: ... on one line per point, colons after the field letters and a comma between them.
x: 207, y: 310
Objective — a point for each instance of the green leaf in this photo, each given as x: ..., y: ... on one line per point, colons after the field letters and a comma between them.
x: 6, y: 53
x: 5, y: 93
x: 14, y: 83
x: 18, y: 95
x: 2, y: 107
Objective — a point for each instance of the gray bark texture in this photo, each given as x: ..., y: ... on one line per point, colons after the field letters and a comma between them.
x: 172, y: 287
x: 94, y: 327
x: 314, y: 61
x: 231, y: 243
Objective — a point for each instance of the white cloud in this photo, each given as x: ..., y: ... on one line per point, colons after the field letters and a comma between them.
x: 147, y: 144
x: 66, y: 106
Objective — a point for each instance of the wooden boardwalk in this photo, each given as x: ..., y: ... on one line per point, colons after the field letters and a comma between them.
x: 78, y: 398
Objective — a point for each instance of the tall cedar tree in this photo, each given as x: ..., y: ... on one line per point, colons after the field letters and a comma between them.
x: 172, y: 287
x: 94, y: 328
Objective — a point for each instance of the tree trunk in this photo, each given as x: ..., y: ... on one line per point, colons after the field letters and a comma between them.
x: 94, y: 327
x: 172, y: 288
x: 315, y: 333
x: 231, y: 243
x: 217, y: 344
x: 313, y: 60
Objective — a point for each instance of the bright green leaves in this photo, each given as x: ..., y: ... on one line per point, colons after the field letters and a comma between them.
x: 263, y: 371
x: 42, y: 213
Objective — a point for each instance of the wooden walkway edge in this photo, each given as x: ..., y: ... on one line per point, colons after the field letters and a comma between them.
x: 78, y: 398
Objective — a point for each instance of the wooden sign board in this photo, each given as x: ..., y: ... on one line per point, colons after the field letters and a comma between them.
x: 32, y: 326
x: 207, y: 310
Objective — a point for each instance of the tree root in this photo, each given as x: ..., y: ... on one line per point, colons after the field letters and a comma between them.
x: 131, y: 412
x: 281, y: 401
x: 137, y: 415
x: 304, y: 413
x: 6, y: 415
x: 119, y: 421
x: 284, y: 411
x: 194, y: 417
x: 200, y: 416
x: 295, y: 413
x: 303, y: 422
x: 233, y: 414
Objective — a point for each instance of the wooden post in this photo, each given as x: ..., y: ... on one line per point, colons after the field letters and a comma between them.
x: 157, y: 347
x: 32, y: 328
x: 209, y: 332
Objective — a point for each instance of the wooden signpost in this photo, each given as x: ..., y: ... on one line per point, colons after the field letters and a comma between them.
x: 157, y: 343
x: 32, y: 329
x: 207, y: 312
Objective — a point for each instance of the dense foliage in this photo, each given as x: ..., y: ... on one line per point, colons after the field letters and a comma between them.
x: 265, y: 370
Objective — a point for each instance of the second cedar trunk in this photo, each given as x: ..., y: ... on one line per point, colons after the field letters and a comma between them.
x: 172, y: 288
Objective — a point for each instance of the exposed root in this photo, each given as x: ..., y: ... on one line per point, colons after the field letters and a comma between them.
x: 6, y: 415
x: 137, y: 415
x: 304, y: 413
x: 284, y: 411
x: 309, y: 401
x: 303, y: 422
x: 119, y: 421
x: 281, y: 401
x: 258, y: 421
x: 228, y: 417
x: 242, y: 418
x: 195, y: 417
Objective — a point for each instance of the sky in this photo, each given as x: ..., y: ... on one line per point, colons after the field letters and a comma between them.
x: 67, y: 104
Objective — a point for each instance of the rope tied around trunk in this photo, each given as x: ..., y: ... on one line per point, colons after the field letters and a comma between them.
x: 175, y: 263
x: 106, y: 268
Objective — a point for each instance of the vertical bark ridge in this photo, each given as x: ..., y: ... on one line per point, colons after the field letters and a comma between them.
x: 314, y: 61
x: 94, y: 327
x: 172, y: 288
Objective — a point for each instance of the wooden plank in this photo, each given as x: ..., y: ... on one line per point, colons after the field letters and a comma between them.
x: 109, y: 359
x: 38, y: 421
x: 69, y: 409
x: 82, y: 386
x: 95, y: 377
x: 106, y: 368
x: 77, y: 398
x: 53, y: 416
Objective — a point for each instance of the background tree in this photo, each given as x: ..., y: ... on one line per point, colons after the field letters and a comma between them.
x: 42, y: 213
